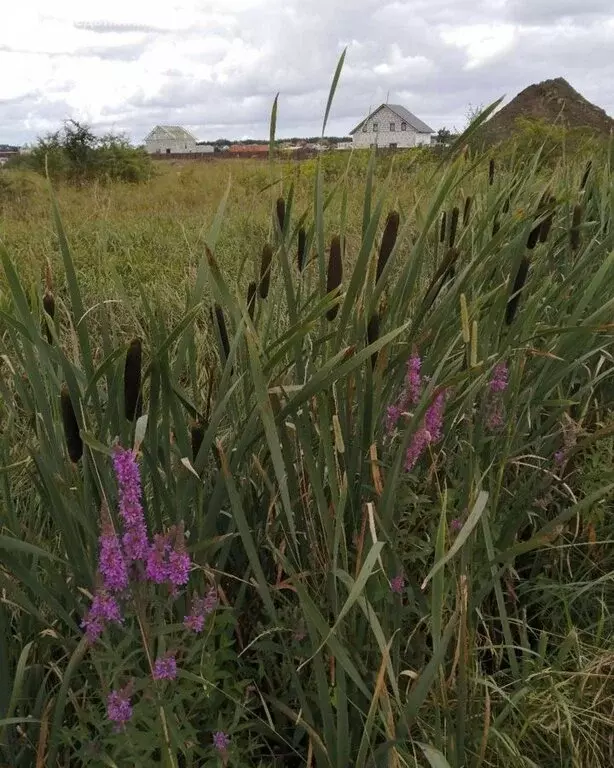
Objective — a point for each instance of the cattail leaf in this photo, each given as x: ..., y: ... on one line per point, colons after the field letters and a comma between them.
x: 333, y: 88
x: 302, y: 246
x: 574, y: 233
x: 373, y: 335
x: 49, y: 309
x: 221, y: 324
x: 94, y: 444
x: 335, y: 273
x: 197, y: 433
x: 585, y: 175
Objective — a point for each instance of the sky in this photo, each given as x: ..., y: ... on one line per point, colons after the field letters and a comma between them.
x: 214, y: 66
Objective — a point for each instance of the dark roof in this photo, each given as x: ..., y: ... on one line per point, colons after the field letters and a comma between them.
x: 8, y: 148
x: 401, y: 112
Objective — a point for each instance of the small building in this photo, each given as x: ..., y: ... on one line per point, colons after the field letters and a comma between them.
x: 202, y: 147
x: 7, y: 151
x: 391, y: 125
x: 170, y: 140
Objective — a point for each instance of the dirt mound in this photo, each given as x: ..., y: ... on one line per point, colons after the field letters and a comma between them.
x: 553, y: 101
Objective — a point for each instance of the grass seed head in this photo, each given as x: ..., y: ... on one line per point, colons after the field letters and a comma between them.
x: 520, y: 280
x: 74, y: 443
x: 302, y: 245
x: 335, y: 273
x: 132, y: 380
x: 265, y: 271
x: 389, y: 238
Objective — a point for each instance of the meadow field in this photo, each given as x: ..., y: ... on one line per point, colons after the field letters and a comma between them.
x: 310, y: 464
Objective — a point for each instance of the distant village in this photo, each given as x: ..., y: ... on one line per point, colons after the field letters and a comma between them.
x: 389, y: 126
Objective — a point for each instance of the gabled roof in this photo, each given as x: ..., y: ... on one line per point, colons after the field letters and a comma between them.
x: 401, y: 112
x: 172, y: 132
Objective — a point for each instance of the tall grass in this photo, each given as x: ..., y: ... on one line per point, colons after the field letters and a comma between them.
x: 458, y: 613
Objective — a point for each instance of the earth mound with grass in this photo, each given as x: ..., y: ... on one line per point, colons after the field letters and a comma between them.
x: 551, y: 101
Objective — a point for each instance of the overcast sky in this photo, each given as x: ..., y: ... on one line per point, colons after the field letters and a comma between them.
x: 214, y: 66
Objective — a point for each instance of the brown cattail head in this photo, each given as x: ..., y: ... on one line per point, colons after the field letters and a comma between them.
x: 389, y: 239
x: 48, y: 277
x: 491, y: 172
x: 533, y: 236
x: 71, y: 426
x: 442, y: 228
x: 546, y: 224
x: 281, y: 213
x: 251, y: 299
x: 586, y: 174
x: 221, y: 324
x: 574, y: 234
x: 373, y: 335
x: 132, y: 380
x: 265, y: 271
x: 453, y: 225
x: 335, y: 273
x: 467, y: 211
x: 521, y: 278
x: 496, y: 225
x: 197, y: 434
x: 49, y: 308
x: 302, y: 246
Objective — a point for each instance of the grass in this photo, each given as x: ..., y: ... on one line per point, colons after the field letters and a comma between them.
x: 497, y: 648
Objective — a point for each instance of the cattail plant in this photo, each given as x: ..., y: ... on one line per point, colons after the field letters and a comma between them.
x: 265, y: 271
x: 442, y: 228
x: 506, y: 204
x: 302, y: 246
x: 49, y: 308
x: 389, y: 239
x: 335, y: 273
x: 467, y: 210
x: 221, y: 324
x: 496, y: 224
x: 586, y: 174
x: 251, y: 299
x: 74, y: 443
x: 546, y: 224
x: 574, y: 234
x: 281, y: 213
x: 520, y: 280
x: 197, y: 434
x: 373, y: 335
x: 491, y: 172
x: 534, y: 236
x: 453, y: 225
x: 132, y: 380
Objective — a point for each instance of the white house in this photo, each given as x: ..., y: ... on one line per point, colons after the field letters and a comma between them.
x: 170, y: 140
x: 391, y: 125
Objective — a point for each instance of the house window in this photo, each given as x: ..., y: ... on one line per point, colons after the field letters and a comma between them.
x: 393, y: 127
x: 393, y: 146
x: 375, y: 127
x: 168, y: 150
x: 403, y: 126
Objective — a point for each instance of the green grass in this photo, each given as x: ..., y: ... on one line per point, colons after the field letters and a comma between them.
x: 499, y: 650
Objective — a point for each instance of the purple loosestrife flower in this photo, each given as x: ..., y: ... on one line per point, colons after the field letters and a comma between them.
x: 559, y: 457
x: 429, y: 433
x: 397, y: 584
x: 119, y: 708
x: 220, y: 741
x: 165, y: 668
x: 201, y: 607
x: 156, y: 568
x: 456, y: 524
x: 494, y: 417
x: 112, y: 564
x: 130, y: 507
x: 104, y: 608
x: 499, y: 379
x: 413, y: 381
x: 178, y: 568
x: 418, y: 443
x: 393, y: 414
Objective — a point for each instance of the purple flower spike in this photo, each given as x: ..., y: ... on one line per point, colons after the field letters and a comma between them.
x: 130, y: 507
x: 220, y: 741
x: 397, y: 584
x: 413, y: 380
x: 499, y: 378
x: 165, y: 668
x: 201, y: 607
x: 119, y: 708
x: 433, y: 421
x: 456, y: 524
x: 112, y: 564
x: 157, y: 566
x: 104, y: 609
x: 393, y: 414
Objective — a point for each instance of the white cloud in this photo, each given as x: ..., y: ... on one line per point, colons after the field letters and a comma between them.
x: 215, y: 66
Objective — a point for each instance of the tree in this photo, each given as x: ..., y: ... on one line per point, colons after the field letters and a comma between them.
x: 443, y: 136
x: 472, y: 113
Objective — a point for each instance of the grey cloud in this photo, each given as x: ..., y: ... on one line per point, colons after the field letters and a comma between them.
x: 107, y: 27
x: 548, y: 11
x: 127, y: 52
